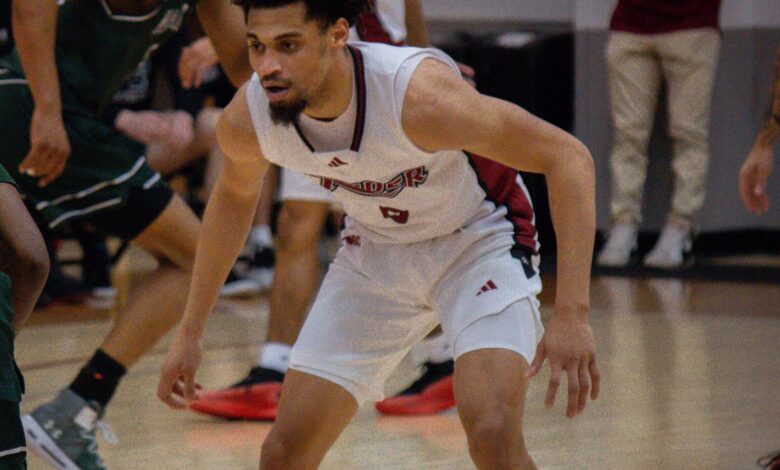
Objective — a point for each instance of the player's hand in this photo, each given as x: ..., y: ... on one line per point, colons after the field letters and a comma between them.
x: 752, y: 179
x: 468, y: 74
x: 49, y: 147
x: 181, y: 130
x: 196, y: 59
x: 177, y: 386
x: 569, y: 344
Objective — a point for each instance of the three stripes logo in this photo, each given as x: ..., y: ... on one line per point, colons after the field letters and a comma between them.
x: 490, y: 285
x: 337, y: 162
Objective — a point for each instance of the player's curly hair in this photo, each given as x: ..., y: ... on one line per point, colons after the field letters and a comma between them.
x: 326, y: 12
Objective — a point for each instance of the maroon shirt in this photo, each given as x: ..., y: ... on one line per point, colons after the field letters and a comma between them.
x: 664, y: 16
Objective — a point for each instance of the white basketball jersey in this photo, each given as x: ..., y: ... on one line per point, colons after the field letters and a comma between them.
x: 392, y: 191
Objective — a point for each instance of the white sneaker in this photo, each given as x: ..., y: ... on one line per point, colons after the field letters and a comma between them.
x: 668, y: 253
x: 621, y: 241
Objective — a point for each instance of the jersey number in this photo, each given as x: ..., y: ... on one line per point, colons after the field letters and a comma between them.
x: 399, y: 216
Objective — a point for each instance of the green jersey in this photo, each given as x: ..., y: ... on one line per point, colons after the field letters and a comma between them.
x: 97, y: 50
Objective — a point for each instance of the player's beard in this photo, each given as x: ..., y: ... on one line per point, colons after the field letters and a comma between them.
x: 287, y: 113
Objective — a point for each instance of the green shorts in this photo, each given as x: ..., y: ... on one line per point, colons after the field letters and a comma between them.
x: 105, y: 173
x: 12, y: 443
x: 5, y: 177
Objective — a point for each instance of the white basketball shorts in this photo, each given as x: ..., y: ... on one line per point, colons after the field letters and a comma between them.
x: 379, y: 300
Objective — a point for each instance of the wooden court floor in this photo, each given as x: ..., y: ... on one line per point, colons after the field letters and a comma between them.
x: 691, y: 380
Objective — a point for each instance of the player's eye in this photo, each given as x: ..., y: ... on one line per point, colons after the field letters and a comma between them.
x: 288, y: 46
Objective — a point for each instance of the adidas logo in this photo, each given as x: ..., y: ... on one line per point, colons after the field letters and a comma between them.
x: 337, y: 162
x: 490, y: 285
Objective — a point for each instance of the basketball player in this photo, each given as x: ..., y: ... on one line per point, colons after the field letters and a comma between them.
x: 304, y: 211
x: 434, y: 234
x: 24, y: 265
x: 69, y: 164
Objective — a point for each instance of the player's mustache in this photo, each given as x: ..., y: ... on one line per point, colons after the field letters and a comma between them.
x: 274, y: 80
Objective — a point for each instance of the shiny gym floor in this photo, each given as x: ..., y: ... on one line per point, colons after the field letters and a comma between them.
x: 691, y: 379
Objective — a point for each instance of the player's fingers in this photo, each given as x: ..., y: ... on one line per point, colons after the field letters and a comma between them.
x: 166, y: 388
x: 538, y: 362
x: 595, y: 379
x: 584, y: 387
x: 53, y: 173
x: 189, y: 387
x: 33, y: 161
x: 552, y: 386
x: 572, y: 371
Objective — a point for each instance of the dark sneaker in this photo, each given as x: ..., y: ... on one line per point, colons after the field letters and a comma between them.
x: 62, y: 432
x: 430, y: 394
x: 256, y: 397
x: 261, y: 267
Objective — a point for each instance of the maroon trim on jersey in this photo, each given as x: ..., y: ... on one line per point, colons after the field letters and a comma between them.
x: 360, y: 81
x: 360, y: 119
x: 500, y: 185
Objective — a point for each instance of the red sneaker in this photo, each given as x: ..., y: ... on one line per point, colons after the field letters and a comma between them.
x: 430, y: 394
x: 253, y: 402
x: 256, y: 397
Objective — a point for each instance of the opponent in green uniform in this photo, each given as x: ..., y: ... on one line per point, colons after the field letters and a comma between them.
x: 23, y: 270
x: 68, y: 64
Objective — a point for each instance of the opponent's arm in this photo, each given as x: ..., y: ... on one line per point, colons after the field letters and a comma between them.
x: 23, y: 255
x: 226, y: 224
x: 224, y: 24
x: 758, y: 165
x: 441, y: 112
x: 416, y: 31
x: 35, y: 31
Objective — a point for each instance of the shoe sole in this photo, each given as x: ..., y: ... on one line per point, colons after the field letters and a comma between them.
x: 240, y: 289
x: 39, y: 441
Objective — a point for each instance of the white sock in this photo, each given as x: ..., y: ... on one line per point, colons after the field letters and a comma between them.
x: 436, y: 349
x: 275, y: 356
x: 261, y: 236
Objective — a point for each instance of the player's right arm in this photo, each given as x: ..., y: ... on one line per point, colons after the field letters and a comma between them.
x: 35, y: 31
x: 226, y: 224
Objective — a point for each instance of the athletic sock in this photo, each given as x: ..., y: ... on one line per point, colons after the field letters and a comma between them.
x: 275, y: 356
x: 260, y: 236
x: 98, y: 379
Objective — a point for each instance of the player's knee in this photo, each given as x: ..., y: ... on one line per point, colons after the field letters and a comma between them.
x: 275, y: 454
x: 495, y: 438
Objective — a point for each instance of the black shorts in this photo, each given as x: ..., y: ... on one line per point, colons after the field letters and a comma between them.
x: 140, y: 210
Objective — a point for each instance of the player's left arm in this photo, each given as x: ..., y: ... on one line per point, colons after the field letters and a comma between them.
x: 441, y: 112
x: 224, y: 24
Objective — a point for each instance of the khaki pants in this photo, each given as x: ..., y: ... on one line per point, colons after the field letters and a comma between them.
x: 637, y: 64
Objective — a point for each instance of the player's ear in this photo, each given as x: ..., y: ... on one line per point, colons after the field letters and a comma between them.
x: 339, y: 33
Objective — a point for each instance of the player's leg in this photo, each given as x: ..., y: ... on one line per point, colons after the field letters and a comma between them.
x: 634, y: 80
x: 689, y: 60
x: 493, y: 355
x: 357, y: 332
x: 313, y: 412
x: 156, y: 305
x: 120, y: 195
